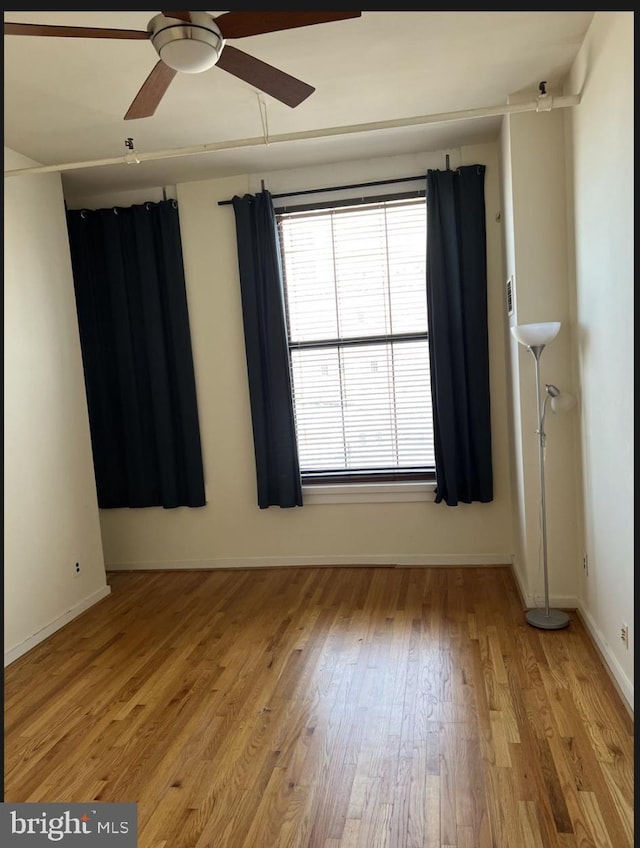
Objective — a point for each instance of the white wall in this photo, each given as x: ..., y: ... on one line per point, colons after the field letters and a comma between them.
x: 601, y: 192
x: 50, y: 506
x: 231, y: 530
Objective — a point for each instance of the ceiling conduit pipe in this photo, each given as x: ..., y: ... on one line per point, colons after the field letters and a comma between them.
x: 544, y: 103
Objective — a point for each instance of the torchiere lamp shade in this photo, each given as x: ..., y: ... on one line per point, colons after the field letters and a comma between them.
x: 532, y: 335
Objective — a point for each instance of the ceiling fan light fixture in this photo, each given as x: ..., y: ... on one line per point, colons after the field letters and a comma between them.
x: 190, y: 56
x: 190, y: 48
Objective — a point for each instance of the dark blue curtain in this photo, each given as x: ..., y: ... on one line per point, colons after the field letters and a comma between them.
x: 458, y: 336
x: 263, y: 310
x: 136, y: 349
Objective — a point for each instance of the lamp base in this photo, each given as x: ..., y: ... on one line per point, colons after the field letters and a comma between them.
x: 556, y: 620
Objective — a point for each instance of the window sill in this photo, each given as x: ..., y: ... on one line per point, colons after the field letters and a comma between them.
x: 368, y: 493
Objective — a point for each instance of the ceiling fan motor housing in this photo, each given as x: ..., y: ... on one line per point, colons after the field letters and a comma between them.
x: 187, y: 47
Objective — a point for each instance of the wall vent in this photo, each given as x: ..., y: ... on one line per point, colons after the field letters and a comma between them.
x: 510, y: 296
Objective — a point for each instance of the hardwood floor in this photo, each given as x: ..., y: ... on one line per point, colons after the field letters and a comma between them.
x: 325, y: 708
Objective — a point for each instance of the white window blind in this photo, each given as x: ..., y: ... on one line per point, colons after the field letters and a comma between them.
x: 357, y: 322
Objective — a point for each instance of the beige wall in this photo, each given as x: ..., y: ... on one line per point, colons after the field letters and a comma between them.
x: 601, y: 193
x: 534, y: 201
x: 231, y: 530
x: 50, y: 507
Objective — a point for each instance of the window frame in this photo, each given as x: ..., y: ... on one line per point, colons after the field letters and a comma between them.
x: 359, y: 485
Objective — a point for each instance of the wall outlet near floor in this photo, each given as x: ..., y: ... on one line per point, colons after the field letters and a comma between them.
x: 76, y: 569
x: 585, y: 563
x: 624, y: 634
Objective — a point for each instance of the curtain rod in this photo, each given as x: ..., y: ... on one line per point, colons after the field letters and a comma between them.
x: 544, y: 103
x: 336, y: 188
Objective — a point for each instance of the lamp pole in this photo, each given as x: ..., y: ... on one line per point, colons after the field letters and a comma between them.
x: 549, y: 619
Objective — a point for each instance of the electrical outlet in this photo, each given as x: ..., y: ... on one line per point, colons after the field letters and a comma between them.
x: 585, y: 563
x: 624, y: 635
x: 76, y: 569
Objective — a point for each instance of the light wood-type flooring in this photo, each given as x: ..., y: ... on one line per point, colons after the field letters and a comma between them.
x: 325, y: 708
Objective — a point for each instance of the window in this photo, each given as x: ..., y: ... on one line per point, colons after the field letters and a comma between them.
x: 355, y: 293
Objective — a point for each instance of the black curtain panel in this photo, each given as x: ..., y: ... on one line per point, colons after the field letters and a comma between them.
x: 263, y: 311
x: 136, y: 349
x: 458, y: 336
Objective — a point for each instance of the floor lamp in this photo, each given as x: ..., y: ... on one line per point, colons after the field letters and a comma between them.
x: 535, y: 337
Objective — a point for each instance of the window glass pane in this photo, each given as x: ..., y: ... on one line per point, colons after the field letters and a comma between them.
x: 317, y: 395
x: 362, y: 283
x: 363, y: 406
x: 407, y: 251
x: 355, y: 271
x: 356, y: 274
x: 307, y: 256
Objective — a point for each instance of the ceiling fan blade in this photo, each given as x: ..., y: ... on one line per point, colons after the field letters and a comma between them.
x: 72, y: 32
x: 181, y: 16
x: 242, y: 24
x: 283, y: 87
x: 147, y: 99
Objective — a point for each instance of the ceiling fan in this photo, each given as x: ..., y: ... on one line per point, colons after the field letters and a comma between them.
x: 192, y: 42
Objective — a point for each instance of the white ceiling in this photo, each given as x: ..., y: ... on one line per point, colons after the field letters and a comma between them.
x: 65, y: 98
